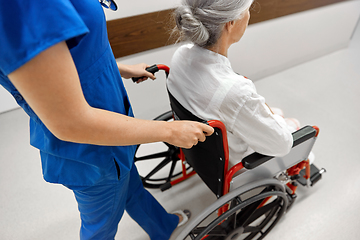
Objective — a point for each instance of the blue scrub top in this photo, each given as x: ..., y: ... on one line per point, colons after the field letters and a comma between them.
x: 28, y: 27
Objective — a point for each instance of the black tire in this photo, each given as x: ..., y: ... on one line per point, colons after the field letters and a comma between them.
x: 164, y: 162
x: 244, y: 219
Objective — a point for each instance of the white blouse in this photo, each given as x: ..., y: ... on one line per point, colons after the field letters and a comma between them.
x: 205, y: 84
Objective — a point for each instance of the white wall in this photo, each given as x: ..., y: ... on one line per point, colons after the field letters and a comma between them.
x: 266, y: 48
x: 137, y: 7
x: 272, y: 46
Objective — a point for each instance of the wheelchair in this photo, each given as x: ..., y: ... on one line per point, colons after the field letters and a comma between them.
x: 252, y: 196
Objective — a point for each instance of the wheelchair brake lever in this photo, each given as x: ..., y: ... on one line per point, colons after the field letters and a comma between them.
x: 153, y: 69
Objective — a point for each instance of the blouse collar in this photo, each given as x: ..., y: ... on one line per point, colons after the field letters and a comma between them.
x: 210, y: 55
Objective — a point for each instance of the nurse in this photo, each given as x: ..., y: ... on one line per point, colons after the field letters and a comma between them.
x: 55, y: 59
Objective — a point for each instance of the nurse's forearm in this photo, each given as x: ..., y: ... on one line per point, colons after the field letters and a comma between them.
x: 51, y: 86
x: 100, y: 127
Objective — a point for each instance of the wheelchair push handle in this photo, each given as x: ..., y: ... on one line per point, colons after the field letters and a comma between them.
x: 153, y: 69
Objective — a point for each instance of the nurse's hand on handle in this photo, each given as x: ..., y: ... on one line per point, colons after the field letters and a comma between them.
x: 137, y: 70
x: 50, y: 84
x: 187, y: 133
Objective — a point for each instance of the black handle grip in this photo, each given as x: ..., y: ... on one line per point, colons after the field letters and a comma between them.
x: 153, y: 69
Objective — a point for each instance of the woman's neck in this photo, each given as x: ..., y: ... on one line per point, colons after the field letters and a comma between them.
x: 220, y: 47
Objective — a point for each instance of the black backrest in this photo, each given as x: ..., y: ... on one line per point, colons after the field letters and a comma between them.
x: 206, y: 158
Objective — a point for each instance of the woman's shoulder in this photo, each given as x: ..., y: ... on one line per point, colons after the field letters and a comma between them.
x: 239, y: 81
x: 182, y: 52
x: 184, y: 49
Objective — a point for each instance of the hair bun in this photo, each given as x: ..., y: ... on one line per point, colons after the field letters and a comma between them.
x: 202, y: 21
x: 190, y: 26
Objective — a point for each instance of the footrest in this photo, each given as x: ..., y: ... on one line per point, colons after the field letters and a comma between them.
x: 315, y: 175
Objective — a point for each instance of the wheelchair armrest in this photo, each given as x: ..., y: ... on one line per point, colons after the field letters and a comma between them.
x: 300, y: 136
x: 255, y: 159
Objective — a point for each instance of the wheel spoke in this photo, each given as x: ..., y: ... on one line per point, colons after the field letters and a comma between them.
x: 158, y: 168
x: 173, y: 164
x: 250, y: 229
x: 252, y: 235
x: 192, y: 236
x: 197, y: 230
x: 261, y: 211
x: 169, y: 145
x: 236, y: 201
x: 216, y: 231
x: 152, y: 156
x: 245, y: 215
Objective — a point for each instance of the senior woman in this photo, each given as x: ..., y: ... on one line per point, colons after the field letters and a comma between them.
x: 203, y: 81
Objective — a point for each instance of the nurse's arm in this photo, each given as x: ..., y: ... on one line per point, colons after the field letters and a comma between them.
x: 51, y: 86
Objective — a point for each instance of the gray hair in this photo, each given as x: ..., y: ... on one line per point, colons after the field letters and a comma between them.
x: 202, y: 21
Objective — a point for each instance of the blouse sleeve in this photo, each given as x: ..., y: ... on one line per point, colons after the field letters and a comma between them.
x: 28, y: 27
x: 263, y: 131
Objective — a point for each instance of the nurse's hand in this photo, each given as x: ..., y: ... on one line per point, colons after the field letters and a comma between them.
x: 187, y: 134
x: 137, y: 70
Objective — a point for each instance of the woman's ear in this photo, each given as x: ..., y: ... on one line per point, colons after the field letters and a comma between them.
x: 229, y: 26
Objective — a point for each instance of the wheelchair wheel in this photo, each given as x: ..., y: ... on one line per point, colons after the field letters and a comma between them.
x: 253, y: 211
x: 161, y: 158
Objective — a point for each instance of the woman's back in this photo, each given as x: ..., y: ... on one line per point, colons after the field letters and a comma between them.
x: 205, y: 84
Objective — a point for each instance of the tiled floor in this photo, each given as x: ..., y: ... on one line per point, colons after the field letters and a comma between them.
x: 323, y: 92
